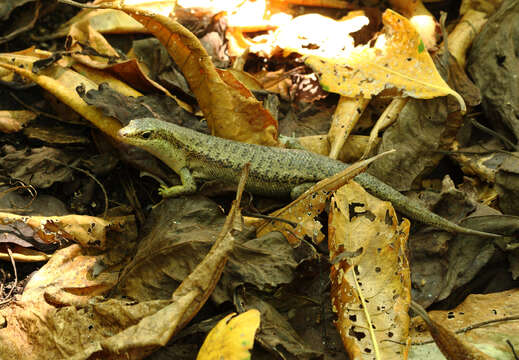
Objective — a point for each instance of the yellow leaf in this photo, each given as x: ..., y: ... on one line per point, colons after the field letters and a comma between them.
x: 231, y: 338
x: 397, y: 59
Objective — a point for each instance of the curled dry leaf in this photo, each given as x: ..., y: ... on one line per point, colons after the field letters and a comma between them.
x: 230, y: 108
x: 101, y: 69
x: 114, y: 328
x: 105, y: 21
x: 45, y: 321
x: 371, y: 285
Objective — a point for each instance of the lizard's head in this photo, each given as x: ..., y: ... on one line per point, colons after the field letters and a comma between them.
x: 147, y: 133
x: 160, y: 138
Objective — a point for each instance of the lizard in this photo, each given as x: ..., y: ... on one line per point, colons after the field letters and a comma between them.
x: 273, y: 171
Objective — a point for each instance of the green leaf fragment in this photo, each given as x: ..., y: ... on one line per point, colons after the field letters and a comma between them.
x: 421, y: 46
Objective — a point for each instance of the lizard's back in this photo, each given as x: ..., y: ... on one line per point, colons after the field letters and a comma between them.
x: 273, y: 171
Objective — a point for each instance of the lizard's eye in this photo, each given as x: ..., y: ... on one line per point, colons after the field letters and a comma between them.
x: 146, y: 135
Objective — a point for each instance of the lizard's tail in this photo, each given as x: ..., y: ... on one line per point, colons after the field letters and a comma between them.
x: 412, y: 208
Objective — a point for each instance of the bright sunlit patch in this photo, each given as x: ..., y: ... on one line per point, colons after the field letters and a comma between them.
x: 380, y: 43
x: 162, y: 7
x: 425, y: 25
x: 315, y: 34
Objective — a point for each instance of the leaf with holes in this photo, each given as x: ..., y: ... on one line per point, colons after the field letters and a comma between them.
x: 371, y: 285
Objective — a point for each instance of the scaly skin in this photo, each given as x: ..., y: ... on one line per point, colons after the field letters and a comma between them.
x: 273, y: 171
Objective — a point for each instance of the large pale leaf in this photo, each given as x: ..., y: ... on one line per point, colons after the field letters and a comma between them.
x: 398, y: 59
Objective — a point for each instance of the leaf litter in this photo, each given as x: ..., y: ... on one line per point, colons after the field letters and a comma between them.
x: 110, y: 295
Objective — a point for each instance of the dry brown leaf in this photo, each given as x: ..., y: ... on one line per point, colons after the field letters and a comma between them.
x: 115, y: 328
x: 303, y: 211
x: 39, y: 322
x: 453, y: 347
x: 477, y: 309
x: 105, y: 21
x: 82, y: 35
x: 229, y: 107
x: 83, y: 38
x: 371, y: 284
x: 99, y: 77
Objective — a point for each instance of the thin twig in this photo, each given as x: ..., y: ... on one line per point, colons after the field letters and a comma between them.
x: 512, y: 348
x: 8, y: 297
x: 462, y: 330
x: 493, y: 133
x: 73, y: 3
x: 273, y: 218
x: 32, y: 191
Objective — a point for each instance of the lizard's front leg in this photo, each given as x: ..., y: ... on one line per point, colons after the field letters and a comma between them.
x: 188, y: 185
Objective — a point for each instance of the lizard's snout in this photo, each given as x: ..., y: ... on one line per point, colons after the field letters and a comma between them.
x: 122, y: 133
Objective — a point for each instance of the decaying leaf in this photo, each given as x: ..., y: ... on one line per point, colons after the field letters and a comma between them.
x: 40, y: 167
x: 277, y: 333
x: 476, y: 309
x: 45, y: 322
x: 88, y: 231
x: 231, y: 338
x: 371, y: 284
x: 115, y: 328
